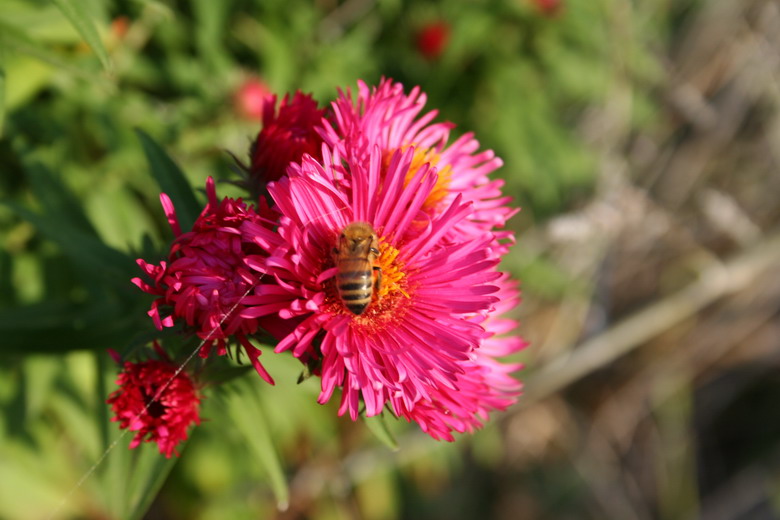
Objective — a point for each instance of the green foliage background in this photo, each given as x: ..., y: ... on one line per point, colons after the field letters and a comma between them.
x: 99, y: 96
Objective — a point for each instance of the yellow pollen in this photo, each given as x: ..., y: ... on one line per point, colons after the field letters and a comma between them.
x: 392, y: 272
x: 421, y: 157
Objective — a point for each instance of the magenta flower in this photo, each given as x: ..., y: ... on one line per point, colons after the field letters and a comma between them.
x: 376, y: 267
x: 285, y: 137
x: 156, y: 402
x: 385, y: 116
x: 420, y: 326
x: 205, y: 278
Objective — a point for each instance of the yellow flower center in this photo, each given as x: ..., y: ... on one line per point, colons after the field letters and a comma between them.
x: 393, y: 277
x: 387, y: 302
x: 421, y: 157
x: 392, y: 291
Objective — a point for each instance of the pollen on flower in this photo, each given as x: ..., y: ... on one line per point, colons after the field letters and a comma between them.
x: 393, y: 276
x: 422, y: 157
x: 388, y: 304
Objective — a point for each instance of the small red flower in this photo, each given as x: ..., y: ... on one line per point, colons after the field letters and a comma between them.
x: 285, y: 137
x: 432, y: 38
x: 156, y: 402
x: 249, y: 99
x: 549, y: 8
x: 205, y: 279
x: 119, y: 26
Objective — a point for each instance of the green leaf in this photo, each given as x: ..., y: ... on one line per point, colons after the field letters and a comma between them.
x: 222, y: 373
x: 7, y: 290
x: 78, y: 424
x: 246, y: 410
x: 56, y: 198
x: 2, y: 92
x: 210, y: 25
x: 35, y: 77
x: 76, y: 11
x: 61, y: 326
x: 378, y: 426
x: 148, y: 475
x: 86, y: 250
x: 66, y: 224
x: 172, y: 181
x: 306, y: 373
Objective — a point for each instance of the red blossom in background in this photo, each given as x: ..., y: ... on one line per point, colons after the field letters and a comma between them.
x: 156, y: 402
x: 549, y: 8
x: 250, y: 97
x: 204, y: 280
x: 287, y: 134
x: 120, y: 26
x: 432, y: 39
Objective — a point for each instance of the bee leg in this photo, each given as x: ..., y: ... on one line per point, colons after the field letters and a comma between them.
x: 377, y: 280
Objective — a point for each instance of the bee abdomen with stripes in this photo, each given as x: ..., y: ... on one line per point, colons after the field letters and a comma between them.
x: 358, y: 277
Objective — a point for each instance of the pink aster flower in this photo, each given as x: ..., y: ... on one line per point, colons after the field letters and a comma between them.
x: 204, y: 280
x: 287, y: 134
x: 157, y: 402
x: 386, y: 117
x: 485, y: 383
x: 420, y: 326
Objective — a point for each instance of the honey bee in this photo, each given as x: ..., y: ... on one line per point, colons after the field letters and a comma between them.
x: 357, y: 278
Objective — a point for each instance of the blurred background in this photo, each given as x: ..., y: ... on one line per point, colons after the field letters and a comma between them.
x: 641, y: 139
